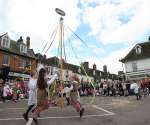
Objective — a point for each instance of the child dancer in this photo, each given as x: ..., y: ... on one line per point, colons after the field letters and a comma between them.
x: 67, y: 92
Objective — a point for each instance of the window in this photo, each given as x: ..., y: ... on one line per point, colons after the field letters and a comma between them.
x: 21, y: 63
x: 66, y: 73
x: 5, y: 42
x: 134, y: 66
x: 100, y: 74
x: 23, y: 48
x: 138, y: 49
x: 27, y: 63
x: 6, y: 59
x: 51, y: 71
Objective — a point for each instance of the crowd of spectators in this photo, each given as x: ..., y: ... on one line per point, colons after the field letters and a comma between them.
x: 13, y: 90
x: 140, y: 88
x: 17, y: 89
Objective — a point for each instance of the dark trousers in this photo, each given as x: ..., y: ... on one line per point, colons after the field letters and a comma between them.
x: 6, y: 98
x: 68, y: 100
x: 138, y: 96
x: 29, y: 109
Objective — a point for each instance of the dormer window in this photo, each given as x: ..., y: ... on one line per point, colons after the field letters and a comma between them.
x: 138, y: 49
x: 23, y: 48
x: 5, y: 41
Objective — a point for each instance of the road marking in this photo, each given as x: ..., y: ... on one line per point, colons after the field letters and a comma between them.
x: 14, y: 108
x: 99, y: 108
x: 22, y: 108
x: 65, y: 117
x: 108, y: 113
x: 29, y: 121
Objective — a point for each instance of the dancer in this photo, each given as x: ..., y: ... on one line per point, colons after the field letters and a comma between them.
x: 74, y: 95
x: 42, y: 96
x: 67, y: 93
x: 32, y: 101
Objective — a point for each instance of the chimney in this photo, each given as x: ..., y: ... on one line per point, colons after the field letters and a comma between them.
x: 44, y: 57
x: 105, y: 69
x: 86, y: 65
x: 28, y: 42
x: 94, y: 66
x: 20, y: 39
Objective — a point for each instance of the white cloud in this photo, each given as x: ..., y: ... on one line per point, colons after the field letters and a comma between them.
x: 95, y: 49
x: 105, y: 23
x: 36, y: 18
x: 111, y: 61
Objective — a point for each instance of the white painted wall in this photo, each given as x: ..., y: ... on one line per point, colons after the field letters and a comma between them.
x: 141, y: 65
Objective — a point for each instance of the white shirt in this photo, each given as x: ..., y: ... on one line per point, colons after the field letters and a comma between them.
x: 67, y: 90
x: 49, y: 82
x: 32, y: 91
x: 6, y: 90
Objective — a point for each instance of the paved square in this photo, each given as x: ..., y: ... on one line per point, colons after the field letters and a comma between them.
x: 13, y: 116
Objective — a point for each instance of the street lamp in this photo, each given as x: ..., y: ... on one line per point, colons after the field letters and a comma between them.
x: 94, y: 74
x: 100, y: 74
x: 107, y: 76
x: 79, y: 70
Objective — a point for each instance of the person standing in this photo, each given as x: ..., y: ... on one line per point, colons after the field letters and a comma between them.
x: 1, y: 90
x: 32, y: 101
x: 67, y: 92
x: 7, y: 95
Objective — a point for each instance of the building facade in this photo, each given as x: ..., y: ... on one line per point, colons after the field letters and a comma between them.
x: 16, y: 56
x: 137, y: 61
x: 84, y: 73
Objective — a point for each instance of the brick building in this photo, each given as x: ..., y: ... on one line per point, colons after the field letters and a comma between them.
x: 53, y: 64
x: 17, y: 56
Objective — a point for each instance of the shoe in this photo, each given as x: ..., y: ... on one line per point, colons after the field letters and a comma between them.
x: 81, y: 112
x: 35, y: 120
x: 25, y: 117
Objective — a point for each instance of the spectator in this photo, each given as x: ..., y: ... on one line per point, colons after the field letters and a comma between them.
x: 7, y: 95
x: 1, y: 89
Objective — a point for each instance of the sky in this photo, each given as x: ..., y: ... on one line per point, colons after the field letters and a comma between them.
x: 108, y: 29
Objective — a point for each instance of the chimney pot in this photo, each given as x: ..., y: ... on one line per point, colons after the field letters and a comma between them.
x: 94, y: 66
x: 44, y: 56
x: 28, y: 42
x: 20, y: 39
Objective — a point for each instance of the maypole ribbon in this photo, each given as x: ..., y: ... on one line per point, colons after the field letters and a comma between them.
x: 85, y: 74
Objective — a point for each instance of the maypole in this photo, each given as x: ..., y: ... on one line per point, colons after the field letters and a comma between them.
x: 61, y: 13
